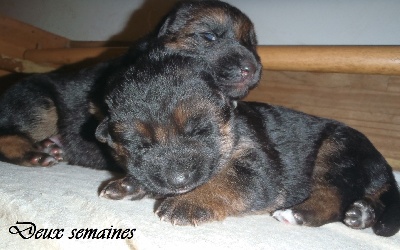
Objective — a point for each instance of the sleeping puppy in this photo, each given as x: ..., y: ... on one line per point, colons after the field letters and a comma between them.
x: 47, y: 118
x: 206, y: 157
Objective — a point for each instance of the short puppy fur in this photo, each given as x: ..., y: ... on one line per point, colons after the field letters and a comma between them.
x: 47, y: 118
x: 206, y: 157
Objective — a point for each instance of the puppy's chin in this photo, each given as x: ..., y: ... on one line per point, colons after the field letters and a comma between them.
x: 181, y: 190
x: 238, y: 87
x: 162, y: 191
x: 238, y: 90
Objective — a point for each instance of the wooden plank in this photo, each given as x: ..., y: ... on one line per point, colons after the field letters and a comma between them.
x: 333, y: 80
x: 376, y: 127
x: 95, y: 44
x: 27, y: 36
x: 345, y: 59
x: 394, y: 84
x: 341, y: 100
x: 11, y: 50
x: 71, y: 55
x: 88, y: 44
x: 395, y: 163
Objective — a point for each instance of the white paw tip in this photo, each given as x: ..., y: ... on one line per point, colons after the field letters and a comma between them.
x: 285, y: 216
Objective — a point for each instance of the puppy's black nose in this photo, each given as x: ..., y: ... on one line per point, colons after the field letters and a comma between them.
x: 179, y: 180
x: 247, y: 70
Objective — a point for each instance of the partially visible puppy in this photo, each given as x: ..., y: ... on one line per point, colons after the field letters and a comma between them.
x: 206, y: 158
x: 51, y: 117
x: 219, y: 34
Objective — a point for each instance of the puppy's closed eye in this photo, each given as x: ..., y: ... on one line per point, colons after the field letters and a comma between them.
x: 209, y: 36
x: 145, y: 143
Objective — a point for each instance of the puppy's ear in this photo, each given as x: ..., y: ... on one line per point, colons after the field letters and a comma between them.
x: 162, y: 31
x: 175, y: 19
x: 253, y: 37
x: 102, y: 134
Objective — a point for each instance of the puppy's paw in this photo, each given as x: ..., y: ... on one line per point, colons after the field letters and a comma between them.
x: 51, y: 147
x: 182, y: 212
x: 124, y: 188
x: 288, y: 216
x: 46, y: 153
x: 360, y: 215
x: 41, y: 159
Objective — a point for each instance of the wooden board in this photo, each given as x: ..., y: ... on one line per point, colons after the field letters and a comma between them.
x: 72, y: 55
x: 27, y: 36
x: 343, y: 59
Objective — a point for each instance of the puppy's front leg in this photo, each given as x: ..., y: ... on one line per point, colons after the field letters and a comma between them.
x: 214, y: 200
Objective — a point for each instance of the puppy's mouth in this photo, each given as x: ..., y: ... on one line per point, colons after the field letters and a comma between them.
x: 174, y: 191
x: 240, y: 87
x: 245, y: 78
x: 245, y: 83
x: 182, y: 190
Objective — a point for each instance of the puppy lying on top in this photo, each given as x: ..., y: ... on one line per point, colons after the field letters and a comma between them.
x: 206, y: 157
x: 47, y: 118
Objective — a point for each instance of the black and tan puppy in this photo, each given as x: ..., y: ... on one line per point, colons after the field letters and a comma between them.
x: 207, y: 157
x: 49, y: 117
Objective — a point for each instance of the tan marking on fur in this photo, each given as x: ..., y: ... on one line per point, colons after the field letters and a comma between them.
x: 242, y: 30
x: 46, y: 124
x: 162, y: 134
x: 119, y: 151
x: 243, y: 147
x: 227, y: 140
x: 14, y: 146
x: 119, y: 127
x: 143, y: 129
x: 180, y: 116
x: 324, y: 203
x: 216, y: 14
x: 121, y: 154
x: 94, y: 110
x: 326, y: 150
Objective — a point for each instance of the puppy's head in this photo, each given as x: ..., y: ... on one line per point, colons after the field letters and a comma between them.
x: 168, y: 125
x: 220, y: 34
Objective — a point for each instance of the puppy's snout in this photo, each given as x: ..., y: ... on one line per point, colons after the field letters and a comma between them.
x: 247, y: 70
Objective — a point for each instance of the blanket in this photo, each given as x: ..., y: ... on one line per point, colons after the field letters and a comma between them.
x: 59, y: 208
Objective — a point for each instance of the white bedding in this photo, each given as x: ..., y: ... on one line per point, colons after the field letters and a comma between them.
x: 66, y: 197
